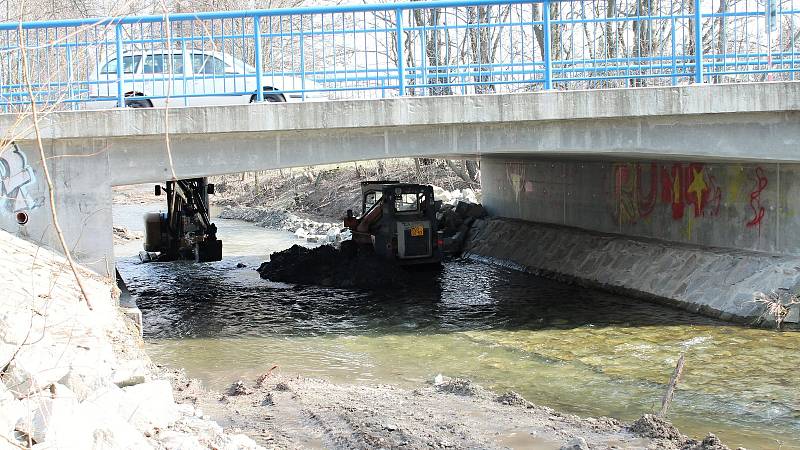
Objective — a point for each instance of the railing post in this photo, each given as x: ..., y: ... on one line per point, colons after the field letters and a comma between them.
x: 424, y: 48
x: 259, y: 69
x: 302, y: 61
x: 118, y: 43
x: 698, y: 43
x: 548, y: 64
x: 401, y: 64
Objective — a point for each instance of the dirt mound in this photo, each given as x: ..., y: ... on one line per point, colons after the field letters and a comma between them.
x: 711, y: 442
x: 459, y: 386
x: 239, y: 388
x: 512, y: 398
x: 654, y: 427
x: 344, y: 268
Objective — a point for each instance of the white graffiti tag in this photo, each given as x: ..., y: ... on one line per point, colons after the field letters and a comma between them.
x: 15, y: 174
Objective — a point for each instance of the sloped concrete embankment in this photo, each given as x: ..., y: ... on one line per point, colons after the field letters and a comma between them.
x: 712, y: 281
x: 76, y: 378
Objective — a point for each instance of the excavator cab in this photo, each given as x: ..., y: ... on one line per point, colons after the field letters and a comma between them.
x: 397, y: 221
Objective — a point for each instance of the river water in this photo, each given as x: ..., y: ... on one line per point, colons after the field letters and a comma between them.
x: 580, y: 351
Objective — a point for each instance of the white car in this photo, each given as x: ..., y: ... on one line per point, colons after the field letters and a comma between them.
x: 191, y: 78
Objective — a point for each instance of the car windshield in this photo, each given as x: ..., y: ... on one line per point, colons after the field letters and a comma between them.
x: 129, y: 64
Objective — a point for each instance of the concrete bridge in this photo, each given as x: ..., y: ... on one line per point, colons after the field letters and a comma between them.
x: 709, y: 165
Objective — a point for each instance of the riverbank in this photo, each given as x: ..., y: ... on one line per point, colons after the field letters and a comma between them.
x: 294, y: 411
x: 72, y: 377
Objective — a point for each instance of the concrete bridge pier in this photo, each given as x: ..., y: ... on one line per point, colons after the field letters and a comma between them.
x: 81, y: 178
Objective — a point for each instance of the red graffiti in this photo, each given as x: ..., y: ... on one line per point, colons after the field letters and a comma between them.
x: 647, y: 202
x: 690, y: 185
x: 755, y: 199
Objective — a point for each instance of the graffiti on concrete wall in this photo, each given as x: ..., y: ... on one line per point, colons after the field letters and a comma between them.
x: 15, y: 176
x: 691, y: 191
x: 635, y: 190
x: 515, y: 173
x: 684, y: 187
x: 690, y: 186
x: 755, y: 199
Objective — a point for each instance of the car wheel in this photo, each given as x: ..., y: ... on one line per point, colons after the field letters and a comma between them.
x: 133, y: 102
x: 270, y: 97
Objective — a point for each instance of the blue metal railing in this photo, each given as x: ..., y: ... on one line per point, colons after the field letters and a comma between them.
x: 395, y: 49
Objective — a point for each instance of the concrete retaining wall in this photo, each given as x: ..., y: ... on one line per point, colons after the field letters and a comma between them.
x: 740, y: 206
x: 81, y: 177
x: 711, y: 281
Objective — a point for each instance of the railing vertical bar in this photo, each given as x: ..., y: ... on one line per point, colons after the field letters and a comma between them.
x: 674, y: 55
x: 698, y: 42
x: 401, y: 67
x: 302, y: 60
x: 423, y: 44
x: 258, y: 63
x: 118, y: 45
x: 548, y: 66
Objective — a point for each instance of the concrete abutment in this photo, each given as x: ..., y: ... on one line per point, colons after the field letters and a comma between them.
x: 705, y: 237
x: 81, y: 178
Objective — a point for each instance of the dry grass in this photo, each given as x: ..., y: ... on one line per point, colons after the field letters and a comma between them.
x: 777, y: 305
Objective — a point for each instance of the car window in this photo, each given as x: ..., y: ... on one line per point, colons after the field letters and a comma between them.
x: 207, y: 64
x: 129, y: 64
x: 159, y: 64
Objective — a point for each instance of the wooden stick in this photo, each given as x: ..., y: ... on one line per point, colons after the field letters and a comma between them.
x: 673, y: 383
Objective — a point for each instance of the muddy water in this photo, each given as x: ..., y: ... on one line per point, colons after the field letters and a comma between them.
x: 585, y: 352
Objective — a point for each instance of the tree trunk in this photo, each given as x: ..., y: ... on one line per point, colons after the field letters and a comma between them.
x: 473, y: 170
x: 458, y: 167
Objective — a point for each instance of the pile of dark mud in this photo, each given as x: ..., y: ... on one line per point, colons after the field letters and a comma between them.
x: 343, y: 268
x: 352, y: 267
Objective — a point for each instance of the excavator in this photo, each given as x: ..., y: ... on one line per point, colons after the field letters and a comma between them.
x: 397, y: 222
x: 185, y: 231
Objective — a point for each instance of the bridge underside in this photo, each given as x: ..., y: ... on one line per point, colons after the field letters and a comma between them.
x: 726, y: 153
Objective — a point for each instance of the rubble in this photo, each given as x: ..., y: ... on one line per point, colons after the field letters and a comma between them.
x: 78, y: 378
x: 308, y: 230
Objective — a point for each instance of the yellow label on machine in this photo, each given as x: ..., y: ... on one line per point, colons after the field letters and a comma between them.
x: 417, y: 231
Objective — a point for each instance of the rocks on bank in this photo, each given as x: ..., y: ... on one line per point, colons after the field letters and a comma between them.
x: 75, y: 378
x: 310, y: 230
